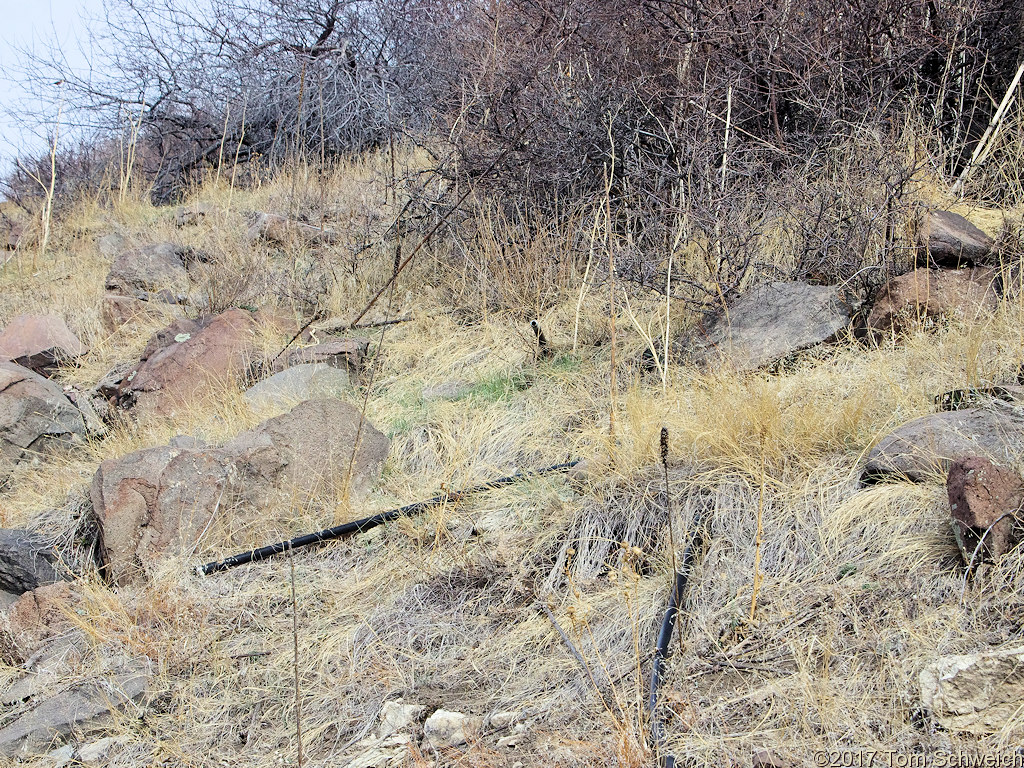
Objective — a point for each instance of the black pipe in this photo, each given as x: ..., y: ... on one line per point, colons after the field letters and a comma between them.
x: 374, y: 520
x: 668, y: 624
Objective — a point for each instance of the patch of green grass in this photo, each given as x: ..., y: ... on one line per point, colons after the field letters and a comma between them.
x: 501, y: 385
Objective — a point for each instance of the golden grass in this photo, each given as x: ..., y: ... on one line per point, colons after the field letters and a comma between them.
x: 859, y: 587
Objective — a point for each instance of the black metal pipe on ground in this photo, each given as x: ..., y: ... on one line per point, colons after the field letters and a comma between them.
x: 661, y: 651
x: 365, y: 524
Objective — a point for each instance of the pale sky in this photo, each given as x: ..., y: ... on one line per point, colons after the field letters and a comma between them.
x: 27, y: 23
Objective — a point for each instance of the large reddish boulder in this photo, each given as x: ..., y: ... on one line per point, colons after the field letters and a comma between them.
x: 35, y: 417
x: 923, y: 294
x: 167, y: 499
x: 985, y: 501
x: 182, y: 362
x: 39, y: 342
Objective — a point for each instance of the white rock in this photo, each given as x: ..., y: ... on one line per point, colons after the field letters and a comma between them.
x: 97, y: 750
x: 59, y: 757
x: 977, y: 693
x: 450, y: 729
x: 398, y: 716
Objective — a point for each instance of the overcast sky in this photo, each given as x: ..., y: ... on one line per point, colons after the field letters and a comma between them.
x: 26, y: 23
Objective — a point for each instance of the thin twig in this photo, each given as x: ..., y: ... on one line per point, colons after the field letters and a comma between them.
x: 295, y: 661
x: 575, y: 653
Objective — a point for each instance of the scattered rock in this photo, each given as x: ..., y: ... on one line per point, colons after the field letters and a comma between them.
x: 930, y: 444
x: 85, y: 705
x: 152, y: 272
x: 58, y: 758
x: 182, y: 362
x: 302, y: 382
x: 35, y: 417
x: 117, y: 311
x: 922, y: 294
x: 97, y: 751
x: 347, y: 354
x: 397, y: 716
x: 448, y: 390
x: 280, y: 230
x: 983, y: 496
x: 950, y: 241
x: 43, y: 614
x: 94, y: 409
x: 110, y: 245
x: 162, y: 500
x: 768, y: 324
x: 450, y: 729
x: 188, y: 215
x: 26, y: 561
x: 977, y: 693
x: 11, y: 234
x: 39, y: 342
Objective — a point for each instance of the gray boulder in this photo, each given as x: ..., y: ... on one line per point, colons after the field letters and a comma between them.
x: 928, y: 446
x: 87, y: 704
x: 768, y: 324
x: 154, y: 271
x: 301, y: 382
x: 26, y: 561
x: 35, y: 417
x: 950, y: 241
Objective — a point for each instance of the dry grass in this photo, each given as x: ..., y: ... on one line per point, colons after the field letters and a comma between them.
x: 860, y: 587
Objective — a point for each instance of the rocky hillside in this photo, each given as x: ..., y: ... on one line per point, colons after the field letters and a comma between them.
x: 839, y: 482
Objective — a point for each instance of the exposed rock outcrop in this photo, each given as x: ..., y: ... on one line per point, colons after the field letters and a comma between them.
x: 181, y: 362
x: 26, y: 561
x: 977, y: 693
x: 950, y: 241
x: 983, y: 496
x: 162, y: 500
x: 301, y: 382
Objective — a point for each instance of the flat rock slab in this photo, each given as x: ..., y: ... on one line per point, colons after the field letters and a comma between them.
x: 347, y: 354
x: 927, y: 446
x: 301, y: 382
x: 39, y: 342
x: 977, y: 693
x: 26, y: 561
x: 35, y: 417
x: 85, y: 705
x: 768, y: 324
x: 950, y: 241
